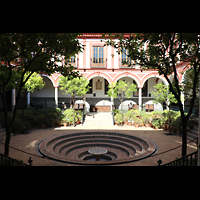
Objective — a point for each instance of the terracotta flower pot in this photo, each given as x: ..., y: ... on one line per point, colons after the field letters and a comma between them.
x: 137, y: 125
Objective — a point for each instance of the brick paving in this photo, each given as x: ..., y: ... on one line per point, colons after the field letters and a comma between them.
x: 27, y: 142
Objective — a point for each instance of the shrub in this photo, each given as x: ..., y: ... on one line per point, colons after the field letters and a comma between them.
x: 146, y: 118
x: 116, y: 111
x: 118, y: 118
x: 68, y: 115
x: 138, y: 121
x: 129, y: 115
x: 155, y: 122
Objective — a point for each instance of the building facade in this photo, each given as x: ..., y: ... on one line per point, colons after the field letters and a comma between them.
x: 102, y: 65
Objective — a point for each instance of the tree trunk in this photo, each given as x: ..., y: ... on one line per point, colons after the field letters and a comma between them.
x: 7, y: 141
x: 184, y: 138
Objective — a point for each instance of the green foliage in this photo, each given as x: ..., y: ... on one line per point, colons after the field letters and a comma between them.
x: 111, y: 92
x: 35, y: 82
x: 34, y: 118
x: 68, y: 116
x: 162, y: 94
x: 130, y: 115
x: 146, y: 118
x: 76, y: 86
x: 35, y: 52
x: 115, y: 111
x: 138, y: 121
x: 121, y: 90
x: 22, y: 53
x: 118, y: 118
x: 163, y: 52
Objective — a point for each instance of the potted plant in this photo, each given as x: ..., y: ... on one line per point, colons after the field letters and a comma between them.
x: 155, y: 122
x: 146, y: 119
x: 118, y: 118
x: 65, y: 121
x: 138, y: 122
x: 129, y: 117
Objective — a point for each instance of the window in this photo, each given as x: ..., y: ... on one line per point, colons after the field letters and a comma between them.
x: 124, y: 58
x: 72, y: 61
x: 98, y: 57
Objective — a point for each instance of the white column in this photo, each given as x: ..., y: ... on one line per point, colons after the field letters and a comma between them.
x: 56, y: 96
x: 13, y: 99
x: 28, y: 99
x: 140, y: 99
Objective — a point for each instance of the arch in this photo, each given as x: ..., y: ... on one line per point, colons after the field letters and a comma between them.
x: 157, y: 106
x: 127, y: 74
x: 87, y: 105
x: 50, y: 78
x: 101, y: 74
x: 153, y: 76
x: 182, y: 74
x: 125, y: 103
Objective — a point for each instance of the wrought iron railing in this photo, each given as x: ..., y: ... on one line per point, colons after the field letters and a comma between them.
x: 7, y: 161
x: 188, y: 160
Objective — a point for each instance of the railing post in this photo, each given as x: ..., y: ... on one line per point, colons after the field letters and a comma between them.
x: 30, y: 161
x: 159, y: 162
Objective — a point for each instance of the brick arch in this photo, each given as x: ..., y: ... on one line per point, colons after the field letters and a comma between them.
x: 50, y: 78
x: 128, y: 74
x: 153, y: 75
x: 182, y: 73
x: 54, y: 78
x: 102, y: 74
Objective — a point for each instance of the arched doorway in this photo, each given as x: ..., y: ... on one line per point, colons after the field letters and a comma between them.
x: 134, y: 98
x: 148, y: 96
x: 45, y: 97
x: 97, y: 95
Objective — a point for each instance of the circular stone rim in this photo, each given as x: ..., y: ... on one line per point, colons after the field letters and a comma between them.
x: 44, y: 152
x: 97, y: 151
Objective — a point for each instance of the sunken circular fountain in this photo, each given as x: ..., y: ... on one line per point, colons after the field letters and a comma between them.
x: 96, y: 148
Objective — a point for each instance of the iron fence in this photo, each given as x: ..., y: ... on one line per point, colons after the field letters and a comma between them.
x: 188, y: 160
x: 7, y: 161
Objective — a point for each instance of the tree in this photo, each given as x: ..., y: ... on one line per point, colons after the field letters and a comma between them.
x: 76, y: 86
x: 32, y: 52
x: 163, y: 94
x: 35, y: 82
x: 163, y: 52
x: 121, y: 90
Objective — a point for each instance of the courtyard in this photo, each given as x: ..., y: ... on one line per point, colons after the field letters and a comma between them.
x: 27, y: 144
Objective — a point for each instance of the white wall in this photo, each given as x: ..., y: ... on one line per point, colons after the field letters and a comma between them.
x: 99, y: 93
x: 47, y: 91
x: 151, y: 84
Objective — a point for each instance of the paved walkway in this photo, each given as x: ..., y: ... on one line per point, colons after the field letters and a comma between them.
x: 101, y: 121
x: 28, y: 143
